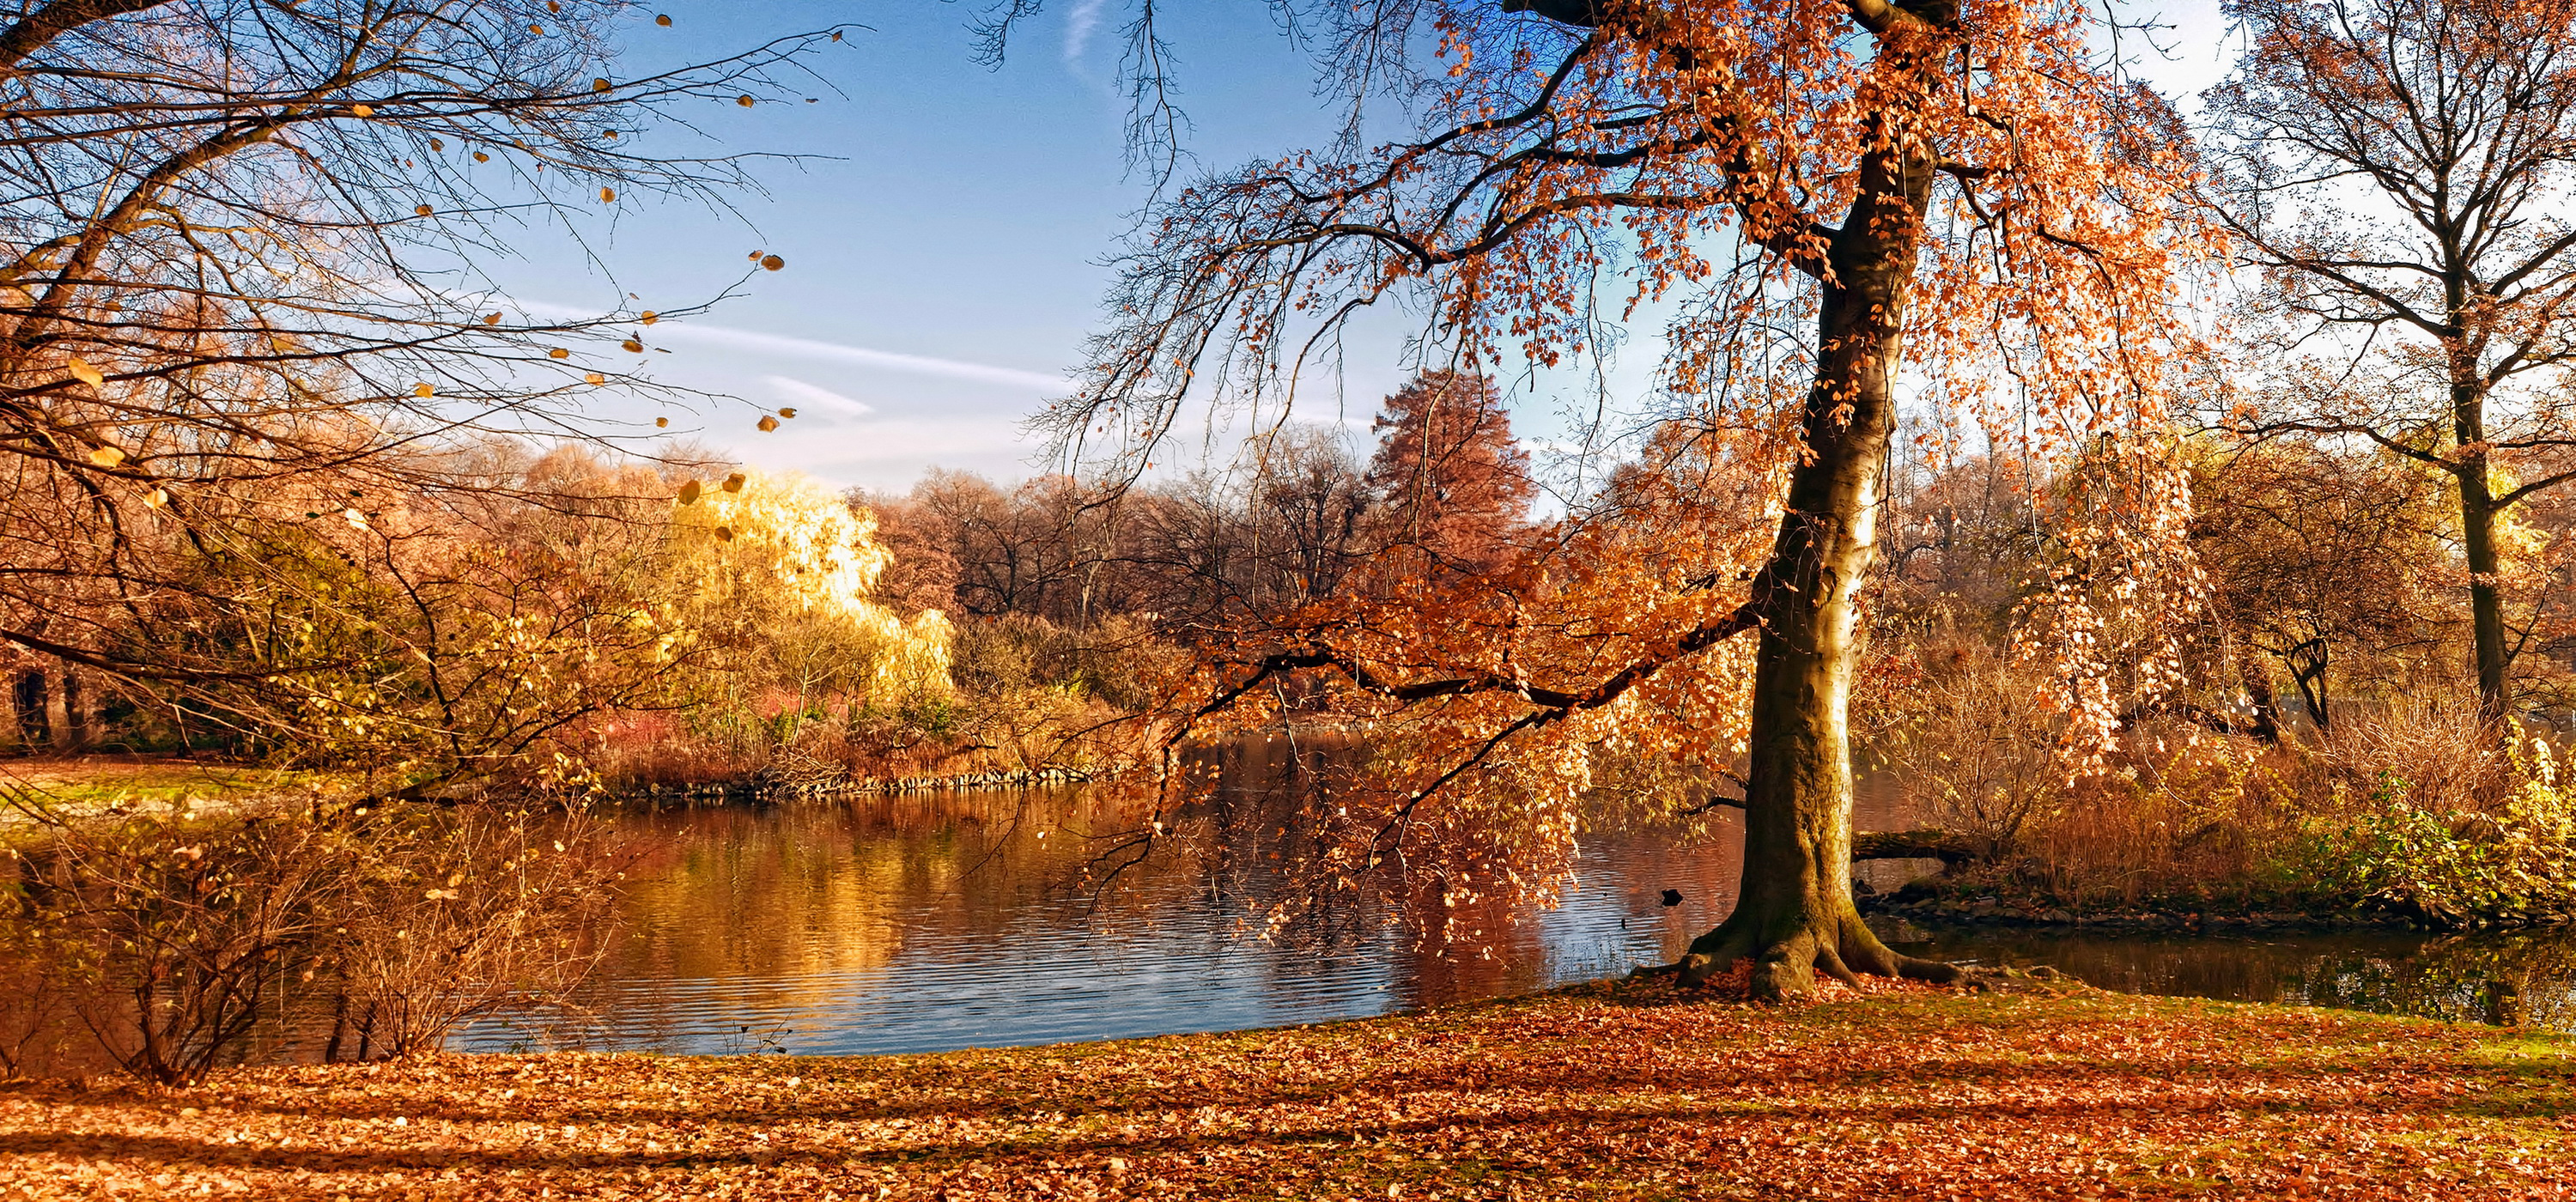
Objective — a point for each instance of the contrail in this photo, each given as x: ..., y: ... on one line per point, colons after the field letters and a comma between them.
x: 920, y: 365
x: 808, y: 348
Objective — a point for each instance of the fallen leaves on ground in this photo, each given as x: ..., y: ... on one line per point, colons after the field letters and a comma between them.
x: 1628, y: 1092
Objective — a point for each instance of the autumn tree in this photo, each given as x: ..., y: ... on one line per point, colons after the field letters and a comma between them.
x: 239, y: 269
x: 1453, y: 481
x: 1312, y: 507
x: 2322, y: 561
x: 2402, y: 174
x: 1921, y: 185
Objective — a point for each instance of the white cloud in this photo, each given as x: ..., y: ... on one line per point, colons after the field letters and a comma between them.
x: 798, y: 392
x: 1078, y: 26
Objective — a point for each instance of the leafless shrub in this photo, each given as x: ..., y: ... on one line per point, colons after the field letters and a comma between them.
x: 193, y: 930
x: 1972, y: 744
x: 192, y: 919
x: 460, y: 914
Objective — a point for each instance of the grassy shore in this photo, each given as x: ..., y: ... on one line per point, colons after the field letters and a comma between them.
x: 91, y: 783
x: 1592, y: 1093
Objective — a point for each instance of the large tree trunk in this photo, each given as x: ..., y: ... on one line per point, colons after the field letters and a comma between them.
x: 2477, y: 498
x: 2486, y: 608
x: 1793, y: 911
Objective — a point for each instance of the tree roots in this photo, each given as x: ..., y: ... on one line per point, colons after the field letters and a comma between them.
x: 1788, y: 953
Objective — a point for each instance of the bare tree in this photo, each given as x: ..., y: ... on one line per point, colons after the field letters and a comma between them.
x: 2403, y: 174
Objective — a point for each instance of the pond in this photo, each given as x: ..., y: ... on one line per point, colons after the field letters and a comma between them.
x: 931, y: 921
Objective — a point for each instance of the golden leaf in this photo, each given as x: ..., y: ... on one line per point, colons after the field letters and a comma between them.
x: 725, y: 533
x: 633, y: 345
x: 156, y: 498
x: 733, y: 483
x: 688, y: 491
x: 536, y: 29
x: 789, y: 411
x: 661, y: 423
x: 767, y: 423
x: 481, y: 157
x: 491, y: 319
x: 423, y: 390
x: 83, y: 372
x: 435, y: 144
x: 608, y: 194
x: 363, y: 110
x: 594, y: 378
x: 745, y: 101
x: 559, y: 353
x: 423, y: 210
x: 599, y: 85
x: 649, y: 317
x: 773, y: 262
x: 107, y: 456
x: 662, y: 19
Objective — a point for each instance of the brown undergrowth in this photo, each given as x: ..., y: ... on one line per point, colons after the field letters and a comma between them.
x: 1598, y: 1092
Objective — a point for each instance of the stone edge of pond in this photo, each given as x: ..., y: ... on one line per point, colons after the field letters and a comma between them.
x: 759, y: 790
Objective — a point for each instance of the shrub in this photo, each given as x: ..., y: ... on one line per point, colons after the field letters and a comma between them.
x: 198, y: 928
x: 456, y: 915
x: 192, y: 919
x: 2514, y: 865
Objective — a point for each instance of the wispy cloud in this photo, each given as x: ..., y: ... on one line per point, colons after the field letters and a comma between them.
x: 1078, y: 26
x: 683, y: 332
x: 795, y: 391
x: 919, y: 365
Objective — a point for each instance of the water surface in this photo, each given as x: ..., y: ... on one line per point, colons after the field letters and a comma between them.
x: 926, y: 922
x: 932, y: 921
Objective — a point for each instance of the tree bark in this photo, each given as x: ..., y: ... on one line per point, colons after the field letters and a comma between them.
x: 2478, y: 538
x: 1793, y: 912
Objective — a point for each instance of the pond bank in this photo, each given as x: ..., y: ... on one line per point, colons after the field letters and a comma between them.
x: 1598, y: 1091
x: 1997, y: 911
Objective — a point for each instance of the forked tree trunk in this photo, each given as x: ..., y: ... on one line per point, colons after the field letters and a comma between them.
x: 1793, y: 911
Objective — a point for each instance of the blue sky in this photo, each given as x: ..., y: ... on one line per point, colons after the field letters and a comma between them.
x: 944, y: 237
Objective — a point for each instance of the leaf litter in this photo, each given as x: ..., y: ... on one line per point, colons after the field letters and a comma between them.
x: 1635, y: 1090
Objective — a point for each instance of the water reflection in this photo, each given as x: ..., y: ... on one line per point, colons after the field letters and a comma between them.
x: 2495, y: 978
x: 933, y: 921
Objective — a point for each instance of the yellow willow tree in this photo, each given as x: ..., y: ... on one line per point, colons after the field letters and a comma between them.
x: 1965, y: 191
x: 779, y: 577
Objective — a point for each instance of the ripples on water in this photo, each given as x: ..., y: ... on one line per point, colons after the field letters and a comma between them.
x: 930, y: 921
x: 935, y: 921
